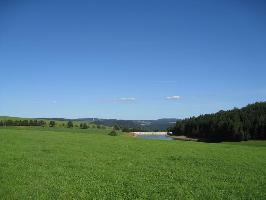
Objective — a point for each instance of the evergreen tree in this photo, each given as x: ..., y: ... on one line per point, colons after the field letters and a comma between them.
x: 237, y: 124
x: 70, y: 124
x: 52, y: 124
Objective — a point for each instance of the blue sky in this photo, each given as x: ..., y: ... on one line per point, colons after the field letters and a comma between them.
x: 130, y: 59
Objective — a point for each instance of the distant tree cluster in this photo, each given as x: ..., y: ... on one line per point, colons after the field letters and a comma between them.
x: 113, y: 133
x: 233, y: 125
x: 128, y: 130
x: 10, y: 122
x: 52, y: 124
x: 70, y: 124
x: 116, y: 127
x: 126, y: 125
x: 83, y: 126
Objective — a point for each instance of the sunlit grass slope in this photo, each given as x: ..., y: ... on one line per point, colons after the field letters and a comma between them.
x: 47, y: 163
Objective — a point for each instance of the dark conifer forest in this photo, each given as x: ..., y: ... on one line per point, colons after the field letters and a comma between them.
x: 233, y: 125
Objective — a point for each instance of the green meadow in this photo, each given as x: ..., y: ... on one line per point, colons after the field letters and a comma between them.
x: 61, y: 163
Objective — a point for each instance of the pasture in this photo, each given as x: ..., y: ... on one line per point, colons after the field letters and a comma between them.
x: 60, y: 163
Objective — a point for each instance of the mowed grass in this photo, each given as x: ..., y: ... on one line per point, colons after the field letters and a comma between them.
x: 43, y: 163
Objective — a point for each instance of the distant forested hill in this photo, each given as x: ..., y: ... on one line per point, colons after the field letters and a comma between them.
x: 138, y: 125
x: 238, y: 124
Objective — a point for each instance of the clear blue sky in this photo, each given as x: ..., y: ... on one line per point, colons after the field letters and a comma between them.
x: 135, y: 59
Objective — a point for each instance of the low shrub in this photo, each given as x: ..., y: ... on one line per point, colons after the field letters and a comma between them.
x: 113, y: 133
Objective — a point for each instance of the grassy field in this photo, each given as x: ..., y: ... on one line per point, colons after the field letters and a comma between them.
x: 47, y: 163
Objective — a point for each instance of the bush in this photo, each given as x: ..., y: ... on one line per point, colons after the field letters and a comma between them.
x: 113, y: 133
x: 69, y: 124
x: 116, y: 127
x: 52, y: 124
x: 83, y: 126
x: 126, y: 130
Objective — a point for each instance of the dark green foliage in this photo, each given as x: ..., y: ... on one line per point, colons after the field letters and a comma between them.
x: 235, y: 125
x: 70, y: 124
x: 10, y: 122
x: 52, y: 123
x: 83, y: 125
x: 116, y: 127
x: 113, y: 133
x: 126, y: 130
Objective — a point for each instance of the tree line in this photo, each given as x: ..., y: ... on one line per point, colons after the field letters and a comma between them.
x: 10, y: 122
x: 234, y: 125
x: 52, y: 123
x: 68, y: 125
